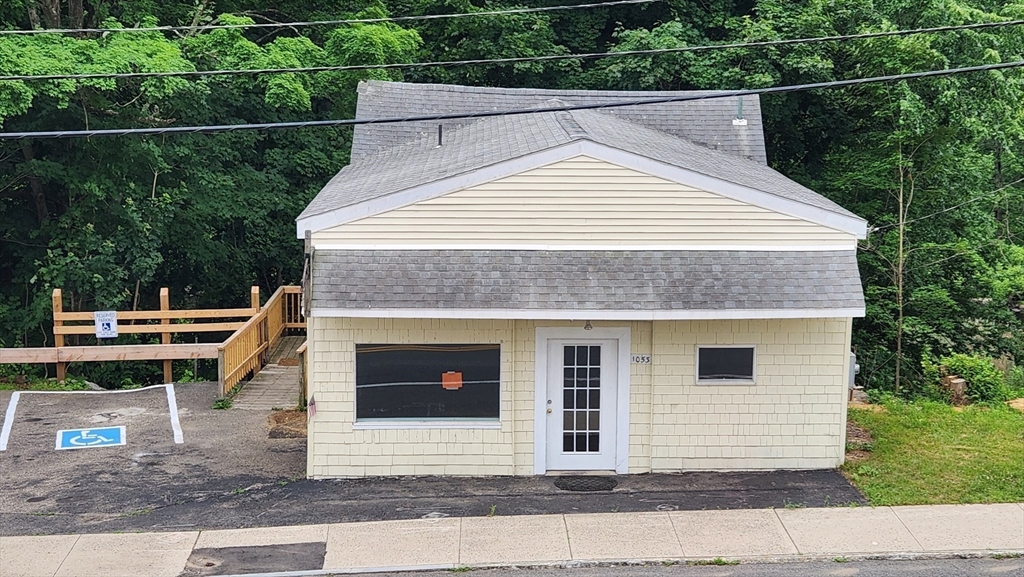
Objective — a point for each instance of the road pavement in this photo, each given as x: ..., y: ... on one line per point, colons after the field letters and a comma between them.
x: 980, y: 567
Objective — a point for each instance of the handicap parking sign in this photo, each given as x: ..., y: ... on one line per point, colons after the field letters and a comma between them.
x: 85, y: 438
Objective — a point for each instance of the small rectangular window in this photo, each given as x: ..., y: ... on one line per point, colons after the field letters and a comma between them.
x: 428, y: 382
x: 725, y: 365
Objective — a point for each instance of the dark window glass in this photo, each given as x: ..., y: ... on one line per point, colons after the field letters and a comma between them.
x: 404, y: 381
x: 727, y: 363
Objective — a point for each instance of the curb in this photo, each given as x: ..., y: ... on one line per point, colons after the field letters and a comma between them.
x: 746, y: 560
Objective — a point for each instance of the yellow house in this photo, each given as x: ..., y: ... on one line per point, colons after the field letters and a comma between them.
x: 626, y: 289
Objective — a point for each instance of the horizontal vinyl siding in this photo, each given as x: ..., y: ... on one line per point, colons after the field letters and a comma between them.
x: 582, y: 201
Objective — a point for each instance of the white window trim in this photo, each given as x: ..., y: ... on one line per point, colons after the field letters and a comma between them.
x: 413, y: 423
x: 540, y: 393
x: 713, y: 382
x: 393, y: 424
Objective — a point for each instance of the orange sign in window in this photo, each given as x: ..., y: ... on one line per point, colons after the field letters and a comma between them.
x: 451, y: 380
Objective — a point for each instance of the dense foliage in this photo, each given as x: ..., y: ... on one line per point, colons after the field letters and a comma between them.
x: 934, y: 164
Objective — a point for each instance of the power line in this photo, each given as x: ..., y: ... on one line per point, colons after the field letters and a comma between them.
x: 514, y: 112
x: 971, y: 200
x: 520, y: 59
x: 326, y: 22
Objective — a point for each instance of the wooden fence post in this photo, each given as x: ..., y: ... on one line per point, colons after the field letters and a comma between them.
x: 221, y: 374
x: 58, y: 340
x: 165, y: 338
x: 254, y: 296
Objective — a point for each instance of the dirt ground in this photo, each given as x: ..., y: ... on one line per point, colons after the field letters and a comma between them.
x: 858, y: 442
x: 288, y: 425
x: 228, y: 473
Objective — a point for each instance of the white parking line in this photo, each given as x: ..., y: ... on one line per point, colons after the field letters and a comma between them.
x: 172, y: 407
x: 9, y: 420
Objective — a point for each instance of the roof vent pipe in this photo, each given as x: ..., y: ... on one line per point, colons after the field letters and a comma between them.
x: 739, y: 120
x: 440, y: 138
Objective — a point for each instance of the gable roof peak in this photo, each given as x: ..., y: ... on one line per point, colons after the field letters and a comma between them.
x: 572, y: 128
x: 707, y: 122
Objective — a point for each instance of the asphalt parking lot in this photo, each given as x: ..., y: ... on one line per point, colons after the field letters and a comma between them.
x: 50, y: 490
x: 226, y: 473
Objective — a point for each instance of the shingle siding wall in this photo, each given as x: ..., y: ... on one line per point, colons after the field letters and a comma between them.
x: 792, y: 418
x: 337, y: 449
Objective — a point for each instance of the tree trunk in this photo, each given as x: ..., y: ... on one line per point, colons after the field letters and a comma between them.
x: 51, y: 12
x: 36, y: 185
x: 33, y: 14
x: 198, y: 16
x: 76, y: 14
x: 899, y: 285
x: 903, y: 197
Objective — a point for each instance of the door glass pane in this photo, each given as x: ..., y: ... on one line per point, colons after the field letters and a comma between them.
x: 582, y: 395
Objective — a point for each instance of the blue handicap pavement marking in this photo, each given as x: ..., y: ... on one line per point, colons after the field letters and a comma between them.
x: 85, y: 438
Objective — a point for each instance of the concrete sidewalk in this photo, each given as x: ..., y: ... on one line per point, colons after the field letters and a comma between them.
x: 446, y: 543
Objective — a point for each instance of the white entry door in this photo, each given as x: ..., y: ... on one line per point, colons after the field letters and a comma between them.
x: 582, y: 377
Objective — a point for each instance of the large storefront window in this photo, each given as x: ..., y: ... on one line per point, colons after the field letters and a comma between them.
x: 421, y: 382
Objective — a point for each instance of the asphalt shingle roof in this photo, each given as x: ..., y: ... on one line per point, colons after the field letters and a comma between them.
x: 706, y: 122
x: 490, y: 141
x: 585, y: 280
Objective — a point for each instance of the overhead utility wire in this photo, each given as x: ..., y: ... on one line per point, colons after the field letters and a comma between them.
x: 328, y: 22
x: 513, y: 112
x: 973, y: 199
x: 547, y: 58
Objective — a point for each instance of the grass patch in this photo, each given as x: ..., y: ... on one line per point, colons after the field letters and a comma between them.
x: 928, y: 453
x: 226, y: 401
x: 1007, y: 556
x: 69, y: 384
x: 715, y: 561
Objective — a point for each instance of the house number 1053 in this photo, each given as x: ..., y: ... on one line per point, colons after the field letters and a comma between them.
x: 641, y: 359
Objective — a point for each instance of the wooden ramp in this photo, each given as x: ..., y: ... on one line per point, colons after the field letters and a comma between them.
x: 276, y: 386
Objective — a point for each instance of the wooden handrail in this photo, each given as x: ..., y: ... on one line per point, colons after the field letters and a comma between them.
x: 108, y: 353
x: 245, y: 351
x: 160, y: 315
x: 153, y: 329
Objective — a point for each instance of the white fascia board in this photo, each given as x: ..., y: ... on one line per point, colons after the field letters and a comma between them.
x: 437, y: 188
x: 775, y: 203
x: 580, y: 315
x: 848, y: 246
x: 851, y: 225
